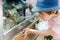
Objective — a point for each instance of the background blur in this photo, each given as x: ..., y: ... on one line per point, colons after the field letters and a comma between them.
x: 5, y: 31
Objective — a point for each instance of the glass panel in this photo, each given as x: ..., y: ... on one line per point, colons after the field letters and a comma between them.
x: 13, y: 13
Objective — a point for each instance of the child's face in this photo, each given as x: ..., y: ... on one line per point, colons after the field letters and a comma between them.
x: 46, y: 16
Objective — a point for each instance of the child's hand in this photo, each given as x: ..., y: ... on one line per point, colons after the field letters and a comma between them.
x: 24, y: 37
x: 25, y: 34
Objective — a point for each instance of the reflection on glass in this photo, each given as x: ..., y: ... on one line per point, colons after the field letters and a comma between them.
x: 12, y: 16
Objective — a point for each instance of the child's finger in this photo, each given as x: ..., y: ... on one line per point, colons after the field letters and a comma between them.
x: 23, y: 37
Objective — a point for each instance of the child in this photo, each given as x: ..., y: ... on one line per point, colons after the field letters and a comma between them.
x: 48, y: 11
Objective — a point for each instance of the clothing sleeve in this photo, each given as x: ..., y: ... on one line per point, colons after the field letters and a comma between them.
x: 56, y: 27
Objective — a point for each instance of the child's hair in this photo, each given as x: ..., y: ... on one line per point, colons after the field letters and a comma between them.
x: 49, y: 12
